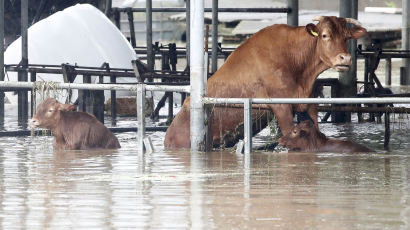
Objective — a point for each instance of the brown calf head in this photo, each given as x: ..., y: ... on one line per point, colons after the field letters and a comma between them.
x: 303, y: 137
x: 332, y: 34
x: 48, y: 113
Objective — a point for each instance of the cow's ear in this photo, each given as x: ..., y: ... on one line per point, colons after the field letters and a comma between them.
x: 71, y: 107
x: 303, y: 133
x: 312, y: 29
x: 67, y: 107
x: 358, y: 32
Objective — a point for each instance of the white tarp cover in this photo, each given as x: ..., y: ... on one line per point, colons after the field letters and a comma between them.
x: 80, y: 35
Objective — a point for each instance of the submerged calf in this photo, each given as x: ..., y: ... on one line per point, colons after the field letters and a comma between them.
x: 306, y: 137
x: 73, y: 130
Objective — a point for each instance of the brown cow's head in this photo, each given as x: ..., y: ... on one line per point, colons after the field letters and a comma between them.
x: 303, y: 137
x: 332, y: 34
x: 48, y: 113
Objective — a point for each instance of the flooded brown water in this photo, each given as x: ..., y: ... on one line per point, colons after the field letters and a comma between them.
x: 123, y: 189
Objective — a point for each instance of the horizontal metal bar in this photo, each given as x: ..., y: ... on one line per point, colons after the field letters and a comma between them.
x: 385, y: 55
x: 225, y: 10
x: 75, y: 71
x: 15, y: 133
x: 119, y: 87
x: 374, y: 100
x: 363, y: 109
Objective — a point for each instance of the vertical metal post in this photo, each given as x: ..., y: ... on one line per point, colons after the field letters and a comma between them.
x: 117, y: 19
x: 97, y: 101
x: 387, y: 72
x: 1, y: 60
x: 386, y: 129
x: 148, y: 14
x: 405, y: 40
x: 247, y: 125
x: 108, y: 6
x: 33, y: 78
x: 132, y: 30
x: 188, y: 33
x: 197, y: 119
x: 214, y: 36
x: 348, y: 9
x: 84, y: 102
x: 22, y: 94
x: 293, y: 15
x: 141, y: 116
x: 113, y: 80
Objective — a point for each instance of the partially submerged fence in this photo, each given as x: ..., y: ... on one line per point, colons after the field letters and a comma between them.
x: 247, y: 102
x: 139, y: 88
x: 247, y: 106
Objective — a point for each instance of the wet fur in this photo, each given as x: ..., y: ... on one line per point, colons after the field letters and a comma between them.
x: 305, y: 137
x: 278, y: 61
x: 73, y: 130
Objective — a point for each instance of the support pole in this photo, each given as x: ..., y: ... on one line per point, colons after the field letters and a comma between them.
x: 33, y: 78
x: 197, y: 127
x: 132, y: 30
x: 108, y: 6
x: 23, y: 95
x: 188, y: 33
x: 387, y: 72
x: 247, y: 125
x: 113, y: 80
x: 141, y: 117
x: 1, y: 61
x: 293, y: 15
x: 386, y: 129
x: 117, y: 18
x: 405, y: 40
x: 348, y: 9
x: 150, y: 57
x: 214, y: 36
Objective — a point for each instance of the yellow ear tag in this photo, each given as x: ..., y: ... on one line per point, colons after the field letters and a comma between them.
x: 314, y: 33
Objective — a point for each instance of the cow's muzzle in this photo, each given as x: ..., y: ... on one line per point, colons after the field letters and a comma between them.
x: 343, y: 63
x: 34, y: 123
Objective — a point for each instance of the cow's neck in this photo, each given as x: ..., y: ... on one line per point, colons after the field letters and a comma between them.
x: 307, y: 63
x: 55, y: 129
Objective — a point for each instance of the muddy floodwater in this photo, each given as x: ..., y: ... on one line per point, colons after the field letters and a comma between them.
x: 123, y: 189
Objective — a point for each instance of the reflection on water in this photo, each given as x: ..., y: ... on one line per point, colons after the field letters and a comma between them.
x: 42, y: 189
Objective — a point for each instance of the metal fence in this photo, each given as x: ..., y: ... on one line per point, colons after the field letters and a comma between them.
x: 139, y: 88
x: 247, y: 105
x: 247, y: 102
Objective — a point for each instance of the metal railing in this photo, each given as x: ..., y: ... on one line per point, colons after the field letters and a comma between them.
x: 247, y: 102
x: 139, y: 88
x: 247, y: 106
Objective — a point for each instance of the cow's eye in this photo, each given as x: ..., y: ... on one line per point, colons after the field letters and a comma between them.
x: 51, y: 110
x: 324, y: 36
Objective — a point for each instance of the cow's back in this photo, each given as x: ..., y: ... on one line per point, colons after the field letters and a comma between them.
x: 263, y: 59
x: 257, y: 68
x: 83, y: 131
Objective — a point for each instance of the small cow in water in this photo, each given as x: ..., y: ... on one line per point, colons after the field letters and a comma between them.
x: 305, y: 137
x: 73, y: 130
x: 278, y: 61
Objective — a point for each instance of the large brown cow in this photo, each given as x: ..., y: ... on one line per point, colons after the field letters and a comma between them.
x: 73, y: 130
x: 278, y: 61
x: 305, y: 137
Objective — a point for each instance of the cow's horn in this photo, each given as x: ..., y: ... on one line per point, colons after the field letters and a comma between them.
x: 353, y: 21
x: 317, y: 18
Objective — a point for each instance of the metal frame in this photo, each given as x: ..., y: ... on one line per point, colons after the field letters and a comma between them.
x: 140, y: 88
x: 247, y: 102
